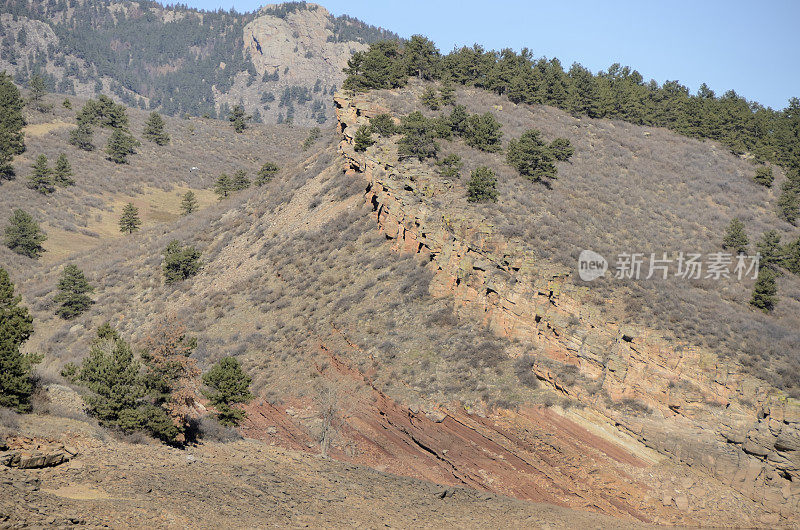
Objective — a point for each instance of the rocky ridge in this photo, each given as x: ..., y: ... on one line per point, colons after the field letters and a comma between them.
x: 705, y: 412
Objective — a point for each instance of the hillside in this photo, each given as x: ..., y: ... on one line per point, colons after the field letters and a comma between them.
x: 447, y: 337
x: 283, y: 60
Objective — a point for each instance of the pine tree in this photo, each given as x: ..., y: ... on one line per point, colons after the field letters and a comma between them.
x: 735, y: 237
x: 764, y: 176
x: 41, y: 179
x: 363, y: 138
x: 129, y: 221
x: 266, y: 173
x: 180, y: 262
x: 12, y: 141
x: 383, y: 125
x: 421, y: 58
x: 24, y: 236
x: 482, y: 131
x: 791, y: 256
x: 450, y: 166
x: 788, y: 203
x: 531, y: 157
x: 223, y: 186
x: 154, y: 129
x: 120, y: 145
x: 769, y: 246
x: 188, y: 203
x: 240, y: 180
x: 562, y: 149
x: 81, y: 136
x: 447, y: 94
x: 419, y: 137
x: 38, y: 89
x: 238, y: 118
x: 429, y: 98
x: 73, y: 293
x: 229, y: 385
x: 16, y: 326
x: 482, y: 185
x: 765, y: 290
x: 62, y: 173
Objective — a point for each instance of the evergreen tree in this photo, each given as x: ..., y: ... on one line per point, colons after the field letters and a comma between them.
x: 129, y: 221
x: 238, y: 118
x: 421, y: 58
x: 582, y: 96
x: 313, y: 135
x: 765, y: 290
x: 41, y: 179
x: 383, y: 125
x: 12, y: 141
x: 531, y: 157
x: 223, y: 186
x: 769, y: 246
x: 16, y: 326
x: 378, y: 67
x: 240, y: 180
x: 419, y: 137
x: 482, y: 185
x: 791, y: 256
x: 788, y: 203
x: 120, y: 145
x: 450, y: 166
x: 62, y: 173
x: 180, y: 262
x: 188, y: 203
x: 73, y: 293
x: 482, y: 131
x: 24, y: 236
x: 81, y: 136
x: 38, y: 89
x: 735, y: 237
x: 118, y: 391
x: 266, y: 173
x: 363, y: 138
x: 154, y: 129
x: 447, y: 94
x: 67, y: 104
x: 458, y: 120
x: 562, y: 149
x: 429, y: 98
x: 229, y: 385
x: 764, y: 176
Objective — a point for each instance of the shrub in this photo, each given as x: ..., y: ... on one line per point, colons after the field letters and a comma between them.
x: 180, y: 262
x: 482, y: 185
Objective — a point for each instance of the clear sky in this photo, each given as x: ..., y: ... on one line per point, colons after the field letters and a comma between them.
x: 751, y: 47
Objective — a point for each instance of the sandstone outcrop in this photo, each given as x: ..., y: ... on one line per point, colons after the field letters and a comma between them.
x: 704, y: 410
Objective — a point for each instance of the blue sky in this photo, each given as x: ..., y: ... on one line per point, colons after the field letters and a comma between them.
x: 751, y: 47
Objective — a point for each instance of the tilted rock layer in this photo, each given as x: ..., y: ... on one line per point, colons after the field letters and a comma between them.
x: 706, y: 412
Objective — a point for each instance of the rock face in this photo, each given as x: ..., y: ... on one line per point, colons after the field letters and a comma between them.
x: 32, y: 453
x: 705, y: 412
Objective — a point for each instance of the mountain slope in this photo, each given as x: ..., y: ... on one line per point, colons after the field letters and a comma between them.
x: 182, y: 60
